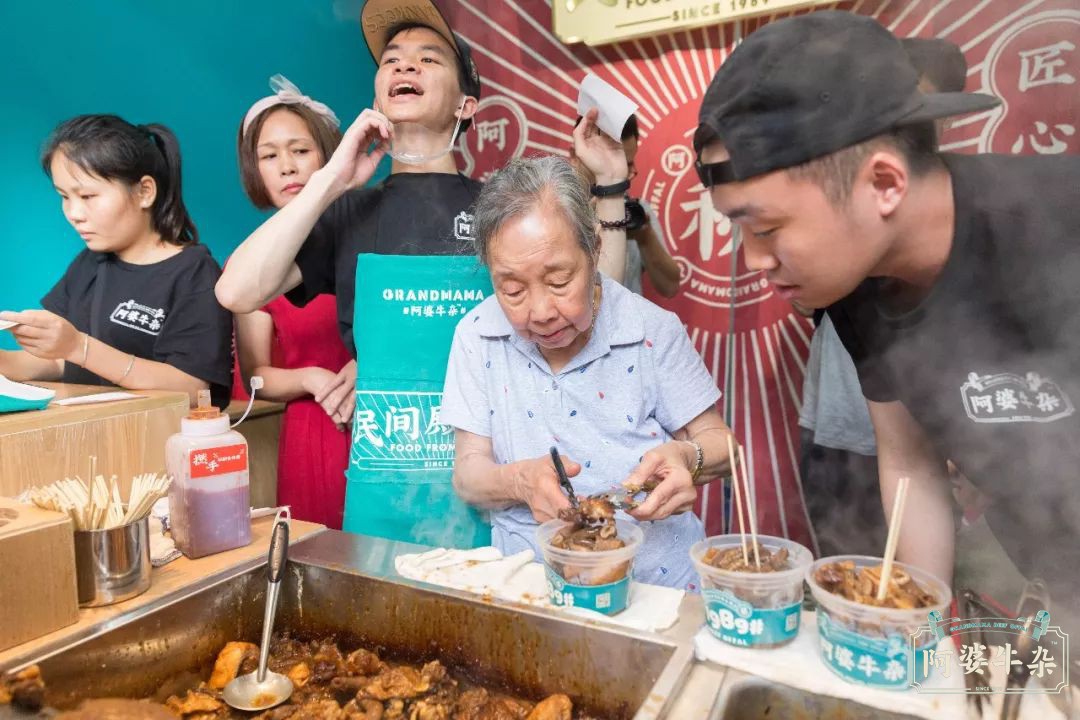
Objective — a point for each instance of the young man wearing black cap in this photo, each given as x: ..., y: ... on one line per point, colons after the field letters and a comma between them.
x: 396, y: 252
x: 950, y: 279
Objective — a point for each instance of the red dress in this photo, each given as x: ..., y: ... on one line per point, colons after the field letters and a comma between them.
x: 312, y: 453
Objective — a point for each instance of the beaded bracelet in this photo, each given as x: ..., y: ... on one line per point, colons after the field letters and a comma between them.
x: 616, y: 224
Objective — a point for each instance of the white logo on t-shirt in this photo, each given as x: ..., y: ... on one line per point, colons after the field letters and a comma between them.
x: 132, y: 315
x: 1007, y: 398
x: 463, y: 226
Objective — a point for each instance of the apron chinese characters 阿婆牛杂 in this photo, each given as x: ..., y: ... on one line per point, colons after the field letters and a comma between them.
x: 401, y: 461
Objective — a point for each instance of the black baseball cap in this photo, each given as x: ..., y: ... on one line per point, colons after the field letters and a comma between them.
x: 382, y: 19
x: 939, y: 61
x: 807, y: 86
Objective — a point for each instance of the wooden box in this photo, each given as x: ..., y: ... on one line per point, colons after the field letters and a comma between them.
x: 37, y: 572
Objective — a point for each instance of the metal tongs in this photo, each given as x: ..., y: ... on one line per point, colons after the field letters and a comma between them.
x: 970, y: 606
x: 1035, y: 598
x: 621, y: 498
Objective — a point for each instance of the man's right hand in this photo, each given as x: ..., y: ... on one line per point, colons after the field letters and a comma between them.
x: 355, y: 160
x: 536, y: 483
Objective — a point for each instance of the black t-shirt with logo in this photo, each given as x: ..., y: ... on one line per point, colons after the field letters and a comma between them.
x: 989, y: 362
x: 165, y: 312
x: 406, y: 214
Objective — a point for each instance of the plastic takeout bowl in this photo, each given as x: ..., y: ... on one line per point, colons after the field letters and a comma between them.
x: 592, y: 580
x: 751, y: 609
x: 869, y: 645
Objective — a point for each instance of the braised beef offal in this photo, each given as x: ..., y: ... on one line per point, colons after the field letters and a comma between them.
x: 732, y: 560
x: 23, y: 690
x: 861, y: 585
x: 328, y: 685
x: 591, y: 527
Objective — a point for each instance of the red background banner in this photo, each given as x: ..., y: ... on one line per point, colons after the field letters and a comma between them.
x: 1026, y: 53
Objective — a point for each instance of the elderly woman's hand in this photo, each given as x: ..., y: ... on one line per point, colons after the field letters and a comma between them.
x: 666, y: 471
x: 536, y: 484
x: 603, y: 156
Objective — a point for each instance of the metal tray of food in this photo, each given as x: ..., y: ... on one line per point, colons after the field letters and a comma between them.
x: 343, y: 587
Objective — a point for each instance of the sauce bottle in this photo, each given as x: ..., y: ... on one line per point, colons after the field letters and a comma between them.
x: 209, y: 499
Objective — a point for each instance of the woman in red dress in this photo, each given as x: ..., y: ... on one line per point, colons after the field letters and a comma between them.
x: 297, y: 351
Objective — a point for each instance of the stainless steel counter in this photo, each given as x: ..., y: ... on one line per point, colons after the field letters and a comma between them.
x: 346, y: 585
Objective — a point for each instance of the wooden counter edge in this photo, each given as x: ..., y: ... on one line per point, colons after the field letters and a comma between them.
x: 171, y: 579
x: 57, y: 415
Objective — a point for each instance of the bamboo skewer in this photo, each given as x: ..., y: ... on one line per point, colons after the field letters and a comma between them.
x: 750, y: 509
x: 738, y: 499
x: 893, y: 538
x: 88, y: 518
x: 97, y: 504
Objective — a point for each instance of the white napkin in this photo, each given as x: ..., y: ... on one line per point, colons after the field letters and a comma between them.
x: 517, y: 578
x: 798, y: 664
x: 162, y: 548
x: 615, y: 108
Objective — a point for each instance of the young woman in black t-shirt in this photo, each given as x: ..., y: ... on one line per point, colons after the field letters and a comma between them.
x: 136, y: 308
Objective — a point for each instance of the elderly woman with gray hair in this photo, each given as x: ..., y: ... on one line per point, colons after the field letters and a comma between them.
x: 563, y: 356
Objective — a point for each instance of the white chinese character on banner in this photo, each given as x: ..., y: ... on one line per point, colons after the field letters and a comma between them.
x: 941, y: 659
x: 826, y: 649
x: 845, y: 658
x: 405, y: 420
x: 199, y: 459
x: 492, y: 131
x: 1040, y: 66
x: 1000, y: 655
x: 707, y: 223
x: 971, y: 657
x: 1042, y: 663
x: 1056, y: 145
x: 365, y: 423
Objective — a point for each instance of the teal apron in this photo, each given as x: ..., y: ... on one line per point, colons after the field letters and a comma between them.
x: 401, y: 460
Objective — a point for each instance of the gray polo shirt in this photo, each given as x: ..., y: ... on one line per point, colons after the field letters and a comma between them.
x: 636, y: 381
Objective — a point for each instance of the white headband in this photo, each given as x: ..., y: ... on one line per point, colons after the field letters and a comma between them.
x: 285, y: 93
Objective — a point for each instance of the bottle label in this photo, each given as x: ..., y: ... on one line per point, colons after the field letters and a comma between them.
x: 737, y: 622
x: 607, y: 599
x: 210, y: 462
x: 875, y: 661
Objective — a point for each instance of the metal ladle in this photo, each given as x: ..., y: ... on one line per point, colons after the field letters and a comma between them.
x: 263, y: 689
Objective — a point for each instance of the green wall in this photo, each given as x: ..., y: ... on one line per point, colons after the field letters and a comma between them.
x: 195, y: 66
